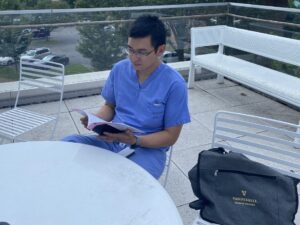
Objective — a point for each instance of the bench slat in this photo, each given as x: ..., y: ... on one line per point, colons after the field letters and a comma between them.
x: 271, y: 46
x: 269, y: 81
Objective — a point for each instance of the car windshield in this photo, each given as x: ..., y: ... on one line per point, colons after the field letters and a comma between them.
x: 30, y: 53
x: 48, y: 58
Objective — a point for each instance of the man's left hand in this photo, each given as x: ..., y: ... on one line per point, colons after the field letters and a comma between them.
x: 126, y: 137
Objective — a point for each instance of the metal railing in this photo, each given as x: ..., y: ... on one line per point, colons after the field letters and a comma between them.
x: 92, y: 38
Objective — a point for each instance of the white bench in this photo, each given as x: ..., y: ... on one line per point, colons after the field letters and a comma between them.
x: 274, y: 83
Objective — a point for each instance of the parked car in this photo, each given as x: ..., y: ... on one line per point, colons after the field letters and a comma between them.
x: 26, y: 31
x: 173, y: 57
x: 63, y: 59
x: 6, y: 61
x: 41, y: 32
x: 37, y: 53
x: 109, y: 28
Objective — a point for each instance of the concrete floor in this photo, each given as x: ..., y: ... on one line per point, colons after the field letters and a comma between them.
x: 204, y: 101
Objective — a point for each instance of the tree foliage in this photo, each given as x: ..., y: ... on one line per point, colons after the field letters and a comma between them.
x: 28, y: 4
x: 49, y: 4
x: 103, y: 46
x: 13, y: 42
x: 9, y: 4
x: 125, y: 3
x: 44, y: 4
x: 35, y: 4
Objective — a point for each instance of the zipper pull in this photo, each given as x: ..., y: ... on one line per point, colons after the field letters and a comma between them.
x: 216, y: 173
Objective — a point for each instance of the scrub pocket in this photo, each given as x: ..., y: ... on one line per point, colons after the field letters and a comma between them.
x: 157, y: 110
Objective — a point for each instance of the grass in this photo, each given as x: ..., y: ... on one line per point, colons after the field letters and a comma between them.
x: 76, y: 68
x: 9, y: 73
x: 41, y: 42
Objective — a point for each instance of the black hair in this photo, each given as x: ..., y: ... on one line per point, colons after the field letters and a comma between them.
x: 149, y: 25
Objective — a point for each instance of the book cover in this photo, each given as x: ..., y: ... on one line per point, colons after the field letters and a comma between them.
x: 99, y: 125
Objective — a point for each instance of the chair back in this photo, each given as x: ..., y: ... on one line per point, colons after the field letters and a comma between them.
x: 35, y: 73
x: 271, y: 142
x: 271, y: 46
x: 205, y: 36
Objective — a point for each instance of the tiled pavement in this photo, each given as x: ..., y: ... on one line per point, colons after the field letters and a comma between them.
x: 204, y: 101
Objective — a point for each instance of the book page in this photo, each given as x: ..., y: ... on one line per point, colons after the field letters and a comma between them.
x: 94, y: 121
x: 123, y: 126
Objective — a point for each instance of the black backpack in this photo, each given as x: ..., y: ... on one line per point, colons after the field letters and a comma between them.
x: 234, y: 190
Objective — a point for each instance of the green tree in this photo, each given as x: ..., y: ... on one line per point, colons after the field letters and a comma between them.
x: 294, y: 3
x: 13, y: 42
x: 102, y: 44
x: 109, y: 46
x: 71, y: 3
x: 28, y: 4
x: 9, y: 4
x: 49, y: 4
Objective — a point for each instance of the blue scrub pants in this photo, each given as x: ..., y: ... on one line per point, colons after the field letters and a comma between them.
x: 152, y: 160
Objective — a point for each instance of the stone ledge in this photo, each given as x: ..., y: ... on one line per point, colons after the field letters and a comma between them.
x: 75, y: 86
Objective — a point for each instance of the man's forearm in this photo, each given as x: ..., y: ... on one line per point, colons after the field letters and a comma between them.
x: 106, y: 112
x: 163, y: 138
x: 159, y: 139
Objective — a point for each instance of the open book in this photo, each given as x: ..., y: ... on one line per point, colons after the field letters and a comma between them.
x: 99, y: 125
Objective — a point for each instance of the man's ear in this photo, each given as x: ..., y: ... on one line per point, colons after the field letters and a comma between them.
x: 161, y: 49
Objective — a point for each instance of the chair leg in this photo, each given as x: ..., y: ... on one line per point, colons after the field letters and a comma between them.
x: 3, y: 139
x: 168, y: 167
x: 54, y: 128
x: 297, y: 139
x: 220, y: 79
x: 191, y: 79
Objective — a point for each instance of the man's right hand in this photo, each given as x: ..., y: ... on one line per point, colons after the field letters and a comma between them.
x: 84, y: 121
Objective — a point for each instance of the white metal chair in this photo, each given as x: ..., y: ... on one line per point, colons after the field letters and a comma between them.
x: 271, y: 142
x: 33, y: 74
x: 168, y: 165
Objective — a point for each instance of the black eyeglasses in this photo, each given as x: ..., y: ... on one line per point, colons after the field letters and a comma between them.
x: 138, y: 53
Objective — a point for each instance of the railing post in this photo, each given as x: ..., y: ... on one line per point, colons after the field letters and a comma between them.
x: 220, y: 78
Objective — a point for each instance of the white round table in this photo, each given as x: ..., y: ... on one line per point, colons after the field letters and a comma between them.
x: 60, y: 183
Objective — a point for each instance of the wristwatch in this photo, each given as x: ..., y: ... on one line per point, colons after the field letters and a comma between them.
x: 137, y: 142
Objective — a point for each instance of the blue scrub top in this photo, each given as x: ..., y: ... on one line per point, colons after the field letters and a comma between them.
x: 159, y: 103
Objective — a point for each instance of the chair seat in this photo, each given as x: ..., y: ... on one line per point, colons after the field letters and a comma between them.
x: 17, y: 121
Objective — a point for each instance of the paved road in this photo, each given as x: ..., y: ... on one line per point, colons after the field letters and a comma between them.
x: 63, y: 40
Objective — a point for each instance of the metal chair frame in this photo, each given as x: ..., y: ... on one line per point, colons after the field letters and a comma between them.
x: 167, y: 166
x: 257, y: 137
x: 34, y: 73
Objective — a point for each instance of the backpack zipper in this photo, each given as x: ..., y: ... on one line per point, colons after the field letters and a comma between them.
x: 244, y: 173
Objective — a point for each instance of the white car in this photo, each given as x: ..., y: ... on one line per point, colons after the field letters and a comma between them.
x: 6, y: 61
x: 38, y: 53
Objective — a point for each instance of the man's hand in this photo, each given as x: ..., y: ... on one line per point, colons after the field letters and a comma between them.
x: 126, y: 137
x: 84, y: 121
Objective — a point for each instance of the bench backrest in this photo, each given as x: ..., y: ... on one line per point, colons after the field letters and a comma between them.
x: 275, y: 47
x: 271, y: 142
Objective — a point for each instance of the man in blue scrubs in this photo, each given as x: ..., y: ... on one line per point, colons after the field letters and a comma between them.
x: 145, y: 93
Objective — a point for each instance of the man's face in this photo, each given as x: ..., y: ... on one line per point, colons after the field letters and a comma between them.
x: 143, y: 55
